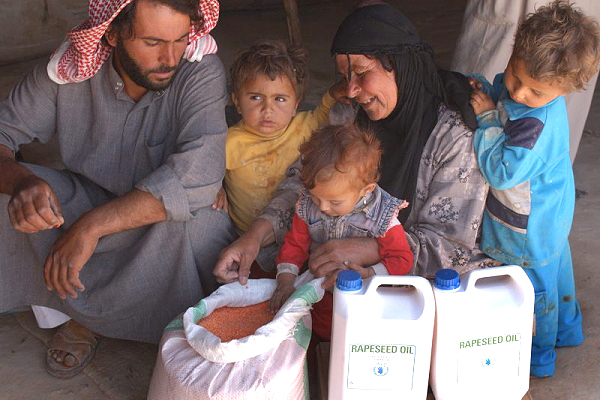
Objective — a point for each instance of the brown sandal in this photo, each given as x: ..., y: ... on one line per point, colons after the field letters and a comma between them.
x: 76, y: 340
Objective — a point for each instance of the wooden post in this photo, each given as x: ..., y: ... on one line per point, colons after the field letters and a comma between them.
x: 293, y: 22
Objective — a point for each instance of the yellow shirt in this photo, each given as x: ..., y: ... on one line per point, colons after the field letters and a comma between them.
x: 256, y: 163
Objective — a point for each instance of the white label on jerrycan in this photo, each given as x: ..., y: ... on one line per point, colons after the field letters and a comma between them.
x: 381, y: 366
x: 381, y: 337
x: 496, y: 357
x: 482, y: 336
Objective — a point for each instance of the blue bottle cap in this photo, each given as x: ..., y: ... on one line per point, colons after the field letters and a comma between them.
x: 348, y: 280
x: 446, y: 279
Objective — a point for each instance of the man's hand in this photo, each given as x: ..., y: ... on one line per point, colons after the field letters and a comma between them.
x: 77, y: 244
x: 328, y: 259
x: 66, y: 259
x: 33, y: 206
x: 220, y: 202
x: 481, y: 102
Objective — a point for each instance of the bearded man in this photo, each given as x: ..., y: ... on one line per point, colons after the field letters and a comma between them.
x: 124, y: 238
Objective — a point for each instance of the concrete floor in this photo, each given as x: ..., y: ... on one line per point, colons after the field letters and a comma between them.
x: 122, y: 369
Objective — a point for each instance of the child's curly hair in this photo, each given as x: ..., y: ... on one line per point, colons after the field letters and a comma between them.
x: 558, y: 43
x: 273, y: 59
x: 342, y: 148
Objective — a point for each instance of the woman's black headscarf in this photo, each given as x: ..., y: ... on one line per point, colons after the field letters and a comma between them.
x: 384, y: 32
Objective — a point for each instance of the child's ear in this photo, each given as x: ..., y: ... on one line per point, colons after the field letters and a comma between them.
x: 296, y: 108
x: 368, y: 189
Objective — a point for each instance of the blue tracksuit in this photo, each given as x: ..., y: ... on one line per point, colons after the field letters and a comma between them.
x: 523, y: 153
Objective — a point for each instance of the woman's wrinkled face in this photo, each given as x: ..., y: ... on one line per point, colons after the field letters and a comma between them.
x: 369, y: 84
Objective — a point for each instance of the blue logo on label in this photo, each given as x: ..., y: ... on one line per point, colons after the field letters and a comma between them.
x: 380, y: 370
x: 488, y: 361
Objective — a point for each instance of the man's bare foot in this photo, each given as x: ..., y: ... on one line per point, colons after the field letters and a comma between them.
x: 71, y: 350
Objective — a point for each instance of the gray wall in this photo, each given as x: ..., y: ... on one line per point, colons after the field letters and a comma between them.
x: 32, y: 28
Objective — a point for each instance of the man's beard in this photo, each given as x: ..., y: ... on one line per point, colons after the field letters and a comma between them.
x: 135, y: 72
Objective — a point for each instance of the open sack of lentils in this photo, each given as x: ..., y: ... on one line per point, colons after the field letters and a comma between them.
x: 228, y: 346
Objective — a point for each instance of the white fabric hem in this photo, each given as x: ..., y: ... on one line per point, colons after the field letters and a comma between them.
x: 48, y: 317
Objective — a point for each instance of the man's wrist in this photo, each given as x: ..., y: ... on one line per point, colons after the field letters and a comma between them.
x: 13, y: 174
x: 89, y: 224
x: 132, y: 210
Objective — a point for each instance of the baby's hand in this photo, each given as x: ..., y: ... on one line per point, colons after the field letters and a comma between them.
x: 481, y: 102
x: 285, y: 288
x: 280, y: 296
x: 220, y: 202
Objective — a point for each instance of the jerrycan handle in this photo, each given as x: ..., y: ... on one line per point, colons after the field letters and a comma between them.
x: 514, y: 271
x: 419, y: 283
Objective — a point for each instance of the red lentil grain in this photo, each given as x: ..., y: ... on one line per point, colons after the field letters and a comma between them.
x: 228, y: 323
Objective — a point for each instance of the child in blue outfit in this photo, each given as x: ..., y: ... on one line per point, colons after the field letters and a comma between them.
x: 522, y: 146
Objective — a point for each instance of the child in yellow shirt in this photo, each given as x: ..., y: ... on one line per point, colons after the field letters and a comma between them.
x: 268, y: 82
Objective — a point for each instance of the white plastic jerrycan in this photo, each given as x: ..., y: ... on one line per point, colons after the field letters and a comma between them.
x: 482, y: 336
x: 381, y: 337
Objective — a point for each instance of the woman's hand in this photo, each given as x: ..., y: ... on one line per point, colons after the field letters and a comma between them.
x: 364, y: 272
x: 235, y: 260
x: 328, y: 259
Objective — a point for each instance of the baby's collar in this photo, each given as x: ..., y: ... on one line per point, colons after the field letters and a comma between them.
x: 365, y: 203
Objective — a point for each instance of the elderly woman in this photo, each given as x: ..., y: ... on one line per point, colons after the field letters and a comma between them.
x: 422, y: 116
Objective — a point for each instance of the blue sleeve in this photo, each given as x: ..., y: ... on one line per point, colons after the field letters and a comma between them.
x: 505, y: 154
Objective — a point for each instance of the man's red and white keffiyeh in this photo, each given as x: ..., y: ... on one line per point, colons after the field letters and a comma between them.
x: 83, y: 52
